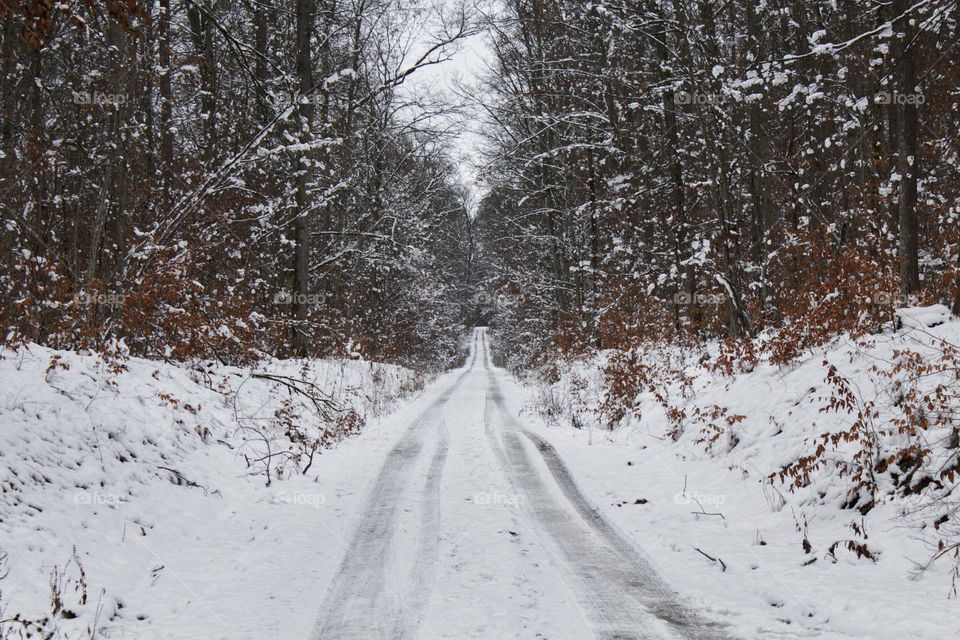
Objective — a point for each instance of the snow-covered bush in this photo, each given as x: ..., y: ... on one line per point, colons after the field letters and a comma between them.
x: 847, y: 425
x: 103, y: 454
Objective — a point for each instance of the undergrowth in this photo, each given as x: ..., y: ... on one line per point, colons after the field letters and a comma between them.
x: 897, y: 440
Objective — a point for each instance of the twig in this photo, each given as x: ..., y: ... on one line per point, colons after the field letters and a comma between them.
x: 181, y: 479
x: 322, y: 401
x: 709, y: 557
x: 704, y: 513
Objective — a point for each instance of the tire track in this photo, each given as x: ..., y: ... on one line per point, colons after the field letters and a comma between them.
x: 602, y: 588
x: 659, y: 598
x: 358, y: 603
x: 623, y: 594
x: 425, y: 570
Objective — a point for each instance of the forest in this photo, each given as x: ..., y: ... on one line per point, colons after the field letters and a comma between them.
x: 688, y: 170
x: 227, y: 180
x: 224, y: 180
x: 674, y: 285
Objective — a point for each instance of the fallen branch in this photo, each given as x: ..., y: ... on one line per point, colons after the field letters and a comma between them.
x: 322, y: 401
x: 704, y: 513
x: 181, y: 479
x: 709, y: 557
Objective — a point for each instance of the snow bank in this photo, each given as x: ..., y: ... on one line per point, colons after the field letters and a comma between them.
x: 721, y: 530
x: 923, y: 317
x: 136, y: 496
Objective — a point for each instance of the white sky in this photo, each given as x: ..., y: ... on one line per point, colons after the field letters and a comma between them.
x: 455, y: 80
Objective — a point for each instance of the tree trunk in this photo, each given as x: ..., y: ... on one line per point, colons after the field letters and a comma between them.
x: 301, y: 270
x: 758, y: 156
x: 9, y: 82
x: 907, y: 160
x: 202, y: 32
x: 166, y: 105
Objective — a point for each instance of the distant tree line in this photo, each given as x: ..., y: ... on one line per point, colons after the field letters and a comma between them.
x: 696, y: 168
x: 204, y: 178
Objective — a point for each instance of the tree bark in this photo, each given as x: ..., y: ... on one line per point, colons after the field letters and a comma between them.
x: 301, y: 270
x: 166, y: 105
x: 907, y: 160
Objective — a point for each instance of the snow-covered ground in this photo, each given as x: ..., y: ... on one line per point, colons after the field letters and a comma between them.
x: 690, y: 509
x: 142, y: 477
x: 449, y: 518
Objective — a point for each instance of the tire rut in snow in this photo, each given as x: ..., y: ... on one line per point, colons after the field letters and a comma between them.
x: 625, y: 598
x: 425, y: 570
x: 659, y: 598
x: 358, y: 603
x: 609, y: 611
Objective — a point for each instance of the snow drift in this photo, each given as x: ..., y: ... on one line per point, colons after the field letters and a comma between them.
x: 825, y: 487
x: 134, y: 490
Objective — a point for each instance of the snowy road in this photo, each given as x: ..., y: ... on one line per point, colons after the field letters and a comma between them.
x: 474, y: 528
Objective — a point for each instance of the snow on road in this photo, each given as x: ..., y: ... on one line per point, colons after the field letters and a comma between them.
x: 439, y: 549
x: 459, y: 516
x: 469, y: 532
